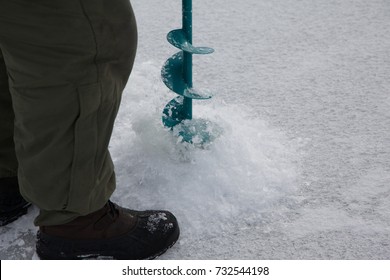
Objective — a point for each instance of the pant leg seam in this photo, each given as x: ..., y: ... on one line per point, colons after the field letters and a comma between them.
x: 94, y: 35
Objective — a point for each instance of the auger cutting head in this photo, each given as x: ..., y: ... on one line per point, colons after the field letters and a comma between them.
x: 177, y: 76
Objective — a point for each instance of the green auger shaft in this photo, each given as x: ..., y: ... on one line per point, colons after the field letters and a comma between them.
x: 187, y: 59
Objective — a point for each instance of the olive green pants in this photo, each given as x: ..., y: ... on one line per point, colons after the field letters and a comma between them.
x: 63, y: 67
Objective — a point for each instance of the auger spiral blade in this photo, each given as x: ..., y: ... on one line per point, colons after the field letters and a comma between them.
x: 178, y: 39
x: 172, y: 76
x: 172, y: 114
x: 177, y: 76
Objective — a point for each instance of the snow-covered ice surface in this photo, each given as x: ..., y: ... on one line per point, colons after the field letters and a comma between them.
x: 302, y: 168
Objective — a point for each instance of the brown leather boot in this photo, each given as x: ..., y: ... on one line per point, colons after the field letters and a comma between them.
x: 12, y: 204
x: 112, y: 232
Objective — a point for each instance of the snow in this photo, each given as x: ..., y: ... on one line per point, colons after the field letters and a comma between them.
x: 301, y: 169
x: 154, y: 220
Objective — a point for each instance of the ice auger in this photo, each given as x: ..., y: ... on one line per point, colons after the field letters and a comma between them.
x: 177, y: 76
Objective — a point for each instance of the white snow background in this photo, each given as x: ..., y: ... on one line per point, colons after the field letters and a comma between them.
x: 302, y: 169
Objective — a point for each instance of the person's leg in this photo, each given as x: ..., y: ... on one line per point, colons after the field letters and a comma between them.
x: 68, y: 62
x: 8, y: 161
x: 12, y: 205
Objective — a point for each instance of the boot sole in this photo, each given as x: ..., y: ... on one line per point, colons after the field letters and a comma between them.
x: 45, y: 253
